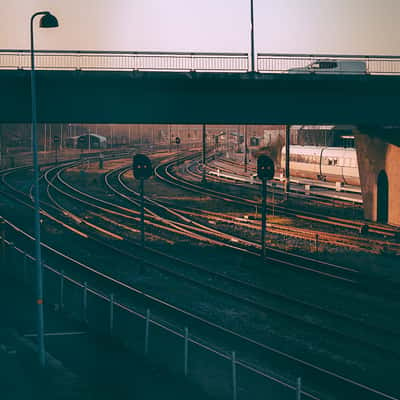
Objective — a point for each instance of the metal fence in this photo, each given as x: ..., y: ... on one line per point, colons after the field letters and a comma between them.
x: 189, y: 61
x: 281, y: 63
x: 125, y: 61
x: 219, y: 372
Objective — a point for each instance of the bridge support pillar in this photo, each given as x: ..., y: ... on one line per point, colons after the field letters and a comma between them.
x: 379, y: 166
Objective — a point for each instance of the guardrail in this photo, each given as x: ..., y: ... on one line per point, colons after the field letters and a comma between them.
x: 189, y: 61
x: 375, y: 65
x: 123, y: 61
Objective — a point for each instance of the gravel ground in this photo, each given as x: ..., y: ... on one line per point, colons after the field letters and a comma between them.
x: 231, y: 313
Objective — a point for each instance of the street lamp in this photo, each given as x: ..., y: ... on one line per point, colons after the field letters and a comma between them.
x: 252, y: 36
x: 47, y: 21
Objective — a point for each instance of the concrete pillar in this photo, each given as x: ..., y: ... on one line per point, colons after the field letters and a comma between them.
x: 374, y: 156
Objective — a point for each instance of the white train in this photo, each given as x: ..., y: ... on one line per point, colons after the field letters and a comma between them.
x: 335, y: 164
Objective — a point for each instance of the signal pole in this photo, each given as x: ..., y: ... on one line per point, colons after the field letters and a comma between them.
x: 265, y: 171
x: 142, y: 169
x: 142, y: 211
x: 263, y: 216
x: 287, y: 159
x: 204, y: 180
x: 245, y: 149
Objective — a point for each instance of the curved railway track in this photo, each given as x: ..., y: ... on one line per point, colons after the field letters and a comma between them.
x: 374, y: 227
x: 172, y: 213
x: 164, y: 173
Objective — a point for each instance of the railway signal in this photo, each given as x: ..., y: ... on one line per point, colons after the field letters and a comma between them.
x: 265, y: 167
x: 265, y: 171
x: 142, y: 169
x: 178, y: 142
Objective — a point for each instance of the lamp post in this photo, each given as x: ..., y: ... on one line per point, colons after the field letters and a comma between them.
x: 252, y: 36
x: 47, y: 21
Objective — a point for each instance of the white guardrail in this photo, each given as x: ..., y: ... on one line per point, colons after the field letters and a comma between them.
x: 202, y: 62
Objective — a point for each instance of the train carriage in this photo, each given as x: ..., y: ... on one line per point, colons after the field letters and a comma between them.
x: 91, y: 141
x: 334, y: 164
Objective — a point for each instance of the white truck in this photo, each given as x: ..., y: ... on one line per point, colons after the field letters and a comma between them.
x: 332, y: 67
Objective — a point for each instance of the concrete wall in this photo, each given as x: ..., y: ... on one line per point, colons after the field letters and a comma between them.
x: 375, y: 155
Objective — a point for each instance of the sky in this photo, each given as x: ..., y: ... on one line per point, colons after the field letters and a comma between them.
x: 368, y: 27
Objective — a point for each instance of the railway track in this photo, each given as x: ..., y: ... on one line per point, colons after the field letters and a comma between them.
x: 340, y: 239
x: 49, y: 177
x: 373, y: 227
x: 182, y: 225
x: 217, y: 173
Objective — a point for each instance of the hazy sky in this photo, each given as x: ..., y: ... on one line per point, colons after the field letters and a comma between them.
x: 281, y: 26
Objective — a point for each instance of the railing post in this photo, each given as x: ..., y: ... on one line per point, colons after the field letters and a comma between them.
x: 61, y: 290
x: 146, y: 333
x: 186, y: 349
x: 84, y: 302
x: 298, y: 389
x: 234, y: 382
x: 111, y: 314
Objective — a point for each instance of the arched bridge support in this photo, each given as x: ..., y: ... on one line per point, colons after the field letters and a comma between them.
x: 379, y: 167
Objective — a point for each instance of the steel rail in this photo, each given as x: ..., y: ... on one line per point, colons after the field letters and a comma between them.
x: 259, y: 289
x: 179, y: 182
x: 207, y: 322
x: 309, y: 234
x: 193, y: 339
x: 307, y: 215
x: 236, y: 281
x: 293, y: 358
x: 373, y: 226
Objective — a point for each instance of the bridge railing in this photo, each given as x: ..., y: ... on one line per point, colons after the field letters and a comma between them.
x: 281, y: 63
x: 183, y: 61
x: 122, y: 61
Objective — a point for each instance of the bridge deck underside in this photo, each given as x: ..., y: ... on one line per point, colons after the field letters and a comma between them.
x: 217, y: 98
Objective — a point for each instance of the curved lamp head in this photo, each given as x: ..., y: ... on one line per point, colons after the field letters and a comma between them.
x: 48, y: 21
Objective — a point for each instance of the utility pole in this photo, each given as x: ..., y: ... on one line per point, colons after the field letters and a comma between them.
x: 45, y: 138
x: 50, y: 139
x: 61, y: 136
x: 204, y: 180
x: 245, y: 149
x: 252, y: 36
x: 170, y: 137
x: 2, y: 146
x: 287, y: 160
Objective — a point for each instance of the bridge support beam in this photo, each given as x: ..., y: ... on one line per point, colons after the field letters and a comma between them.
x: 379, y: 166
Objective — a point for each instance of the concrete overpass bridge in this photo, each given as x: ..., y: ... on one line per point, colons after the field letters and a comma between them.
x: 218, y: 88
